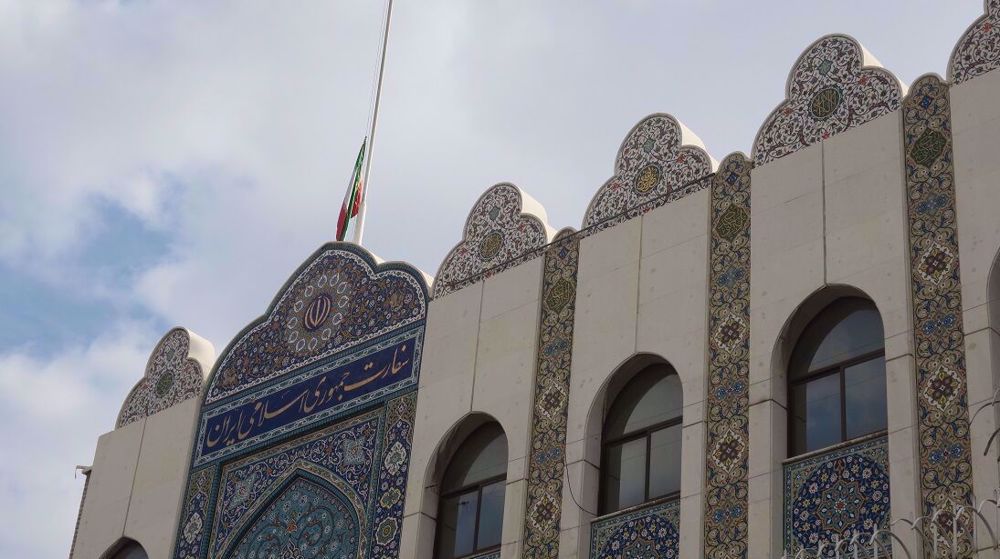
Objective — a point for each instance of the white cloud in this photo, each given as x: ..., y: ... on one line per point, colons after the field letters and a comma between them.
x: 51, y: 411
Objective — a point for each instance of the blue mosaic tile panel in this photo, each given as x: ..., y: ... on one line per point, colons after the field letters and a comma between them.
x: 835, y: 495
x: 304, y: 439
x: 651, y: 532
x: 359, y: 465
x: 338, y: 300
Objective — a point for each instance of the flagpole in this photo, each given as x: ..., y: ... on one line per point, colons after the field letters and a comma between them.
x: 359, y: 226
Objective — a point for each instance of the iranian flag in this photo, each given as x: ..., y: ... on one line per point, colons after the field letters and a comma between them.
x: 354, y: 197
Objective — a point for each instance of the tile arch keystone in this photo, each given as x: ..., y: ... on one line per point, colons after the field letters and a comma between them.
x: 659, y: 160
x: 505, y: 227
x: 834, y: 85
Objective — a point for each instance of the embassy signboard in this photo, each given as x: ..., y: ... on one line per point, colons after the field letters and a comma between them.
x: 325, y: 391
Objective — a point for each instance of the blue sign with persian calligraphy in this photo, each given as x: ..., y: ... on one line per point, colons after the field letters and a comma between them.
x: 324, y: 391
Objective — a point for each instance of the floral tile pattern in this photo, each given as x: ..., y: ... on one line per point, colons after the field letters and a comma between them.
x: 653, y: 167
x: 729, y: 362
x: 835, y: 495
x: 547, y: 459
x: 325, y: 484
x: 833, y: 87
x: 338, y: 300
x: 978, y: 51
x: 939, y: 343
x: 505, y: 228
x: 172, y: 376
x: 648, y: 533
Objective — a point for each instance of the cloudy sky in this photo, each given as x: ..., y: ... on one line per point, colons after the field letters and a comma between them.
x: 171, y: 162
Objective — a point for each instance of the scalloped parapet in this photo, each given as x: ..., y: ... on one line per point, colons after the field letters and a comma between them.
x: 659, y: 161
x: 834, y: 85
x: 505, y: 227
x: 978, y: 51
x: 175, y: 372
x: 338, y: 299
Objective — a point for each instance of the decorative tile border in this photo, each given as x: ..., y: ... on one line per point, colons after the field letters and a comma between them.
x: 726, y: 497
x: 835, y: 85
x: 506, y: 227
x: 836, y: 494
x: 365, y: 460
x: 978, y: 51
x: 172, y: 376
x: 654, y: 166
x: 547, y: 460
x: 939, y: 346
x: 651, y: 532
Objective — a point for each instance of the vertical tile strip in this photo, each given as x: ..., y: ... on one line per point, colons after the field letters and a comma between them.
x: 547, y: 457
x: 939, y: 347
x: 729, y: 362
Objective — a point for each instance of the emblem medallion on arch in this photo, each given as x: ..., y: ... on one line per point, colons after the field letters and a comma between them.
x: 506, y: 227
x: 659, y: 161
x: 835, y: 85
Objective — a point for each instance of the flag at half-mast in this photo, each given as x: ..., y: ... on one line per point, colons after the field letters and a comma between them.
x: 355, y: 195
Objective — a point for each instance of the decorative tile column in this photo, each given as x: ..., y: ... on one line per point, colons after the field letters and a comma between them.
x: 939, y: 345
x: 547, y: 458
x: 728, y: 405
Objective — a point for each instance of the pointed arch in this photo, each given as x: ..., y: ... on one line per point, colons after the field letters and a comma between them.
x: 126, y: 548
x: 306, y: 509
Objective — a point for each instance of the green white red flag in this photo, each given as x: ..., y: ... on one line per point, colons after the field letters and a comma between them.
x: 354, y: 197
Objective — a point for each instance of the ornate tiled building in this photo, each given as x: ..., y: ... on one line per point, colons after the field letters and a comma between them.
x: 789, y: 352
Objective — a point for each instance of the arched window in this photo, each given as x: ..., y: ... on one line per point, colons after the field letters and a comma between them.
x: 129, y: 550
x: 470, y: 518
x: 837, y: 377
x: 641, y: 455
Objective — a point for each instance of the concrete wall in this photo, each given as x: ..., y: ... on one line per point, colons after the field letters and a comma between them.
x: 136, y: 483
x: 976, y: 137
x: 479, y: 358
x: 827, y: 220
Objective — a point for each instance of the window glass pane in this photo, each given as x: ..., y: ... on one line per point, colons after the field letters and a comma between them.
x: 625, y: 475
x: 864, y: 393
x: 482, y: 456
x: 846, y: 329
x: 665, y: 462
x: 457, y: 525
x: 822, y: 412
x: 798, y: 419
x: 491, y: 515
x: 652, y: 397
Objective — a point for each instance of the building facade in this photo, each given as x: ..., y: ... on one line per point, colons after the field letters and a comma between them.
x: 794, y: 351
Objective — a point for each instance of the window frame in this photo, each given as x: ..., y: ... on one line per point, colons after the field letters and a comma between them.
x: 478, y: 486
x: 645, y: 432
x: 838, y: 368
